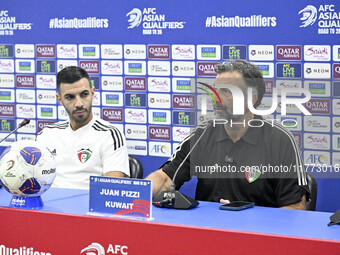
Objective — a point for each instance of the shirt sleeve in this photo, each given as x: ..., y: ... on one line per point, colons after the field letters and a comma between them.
x: 114, y: 153
x: 291, y: 183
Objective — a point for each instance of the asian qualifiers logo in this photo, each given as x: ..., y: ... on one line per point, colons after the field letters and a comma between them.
x: 309, y: 15
x: 325, y: 16
x: 153, y: 23
x: 135, y: 18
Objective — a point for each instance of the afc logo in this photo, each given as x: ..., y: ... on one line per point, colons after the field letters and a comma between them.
x: 98, y: 249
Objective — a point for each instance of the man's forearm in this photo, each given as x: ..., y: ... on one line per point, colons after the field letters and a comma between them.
x: 160, y: 182
x: 298, y: 206
x: 117, y: 174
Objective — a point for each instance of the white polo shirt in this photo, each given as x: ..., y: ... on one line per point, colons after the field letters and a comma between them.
x: 95, y: 149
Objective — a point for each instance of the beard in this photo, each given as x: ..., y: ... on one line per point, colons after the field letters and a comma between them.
x: 224, y: 112
x: 82, y: 118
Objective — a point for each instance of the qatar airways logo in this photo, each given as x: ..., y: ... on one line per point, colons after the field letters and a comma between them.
x: 206, y: 68
x: 158, y: 51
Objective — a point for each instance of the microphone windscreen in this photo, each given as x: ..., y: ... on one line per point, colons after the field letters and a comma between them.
x: 24, y: 122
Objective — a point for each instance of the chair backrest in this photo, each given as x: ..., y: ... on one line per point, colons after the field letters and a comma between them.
x: 136, y: 167
x: 313, y: 187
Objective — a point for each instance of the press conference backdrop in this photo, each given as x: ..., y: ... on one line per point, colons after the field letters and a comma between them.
x: 146, y: 57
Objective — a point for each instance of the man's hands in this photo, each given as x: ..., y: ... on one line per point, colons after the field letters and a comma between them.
x: 160, y: 182
x: 224, y: 201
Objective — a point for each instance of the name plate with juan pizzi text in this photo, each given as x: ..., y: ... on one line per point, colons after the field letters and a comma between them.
x: 121, y: 197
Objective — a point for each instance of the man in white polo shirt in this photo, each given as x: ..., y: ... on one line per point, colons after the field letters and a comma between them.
x: 84, y: 145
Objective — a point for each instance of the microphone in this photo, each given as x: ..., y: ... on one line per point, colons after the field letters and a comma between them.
x: 23, y: 123
x: 173, y: 198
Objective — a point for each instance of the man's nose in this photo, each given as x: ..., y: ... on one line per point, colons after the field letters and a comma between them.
x: 78, y: 102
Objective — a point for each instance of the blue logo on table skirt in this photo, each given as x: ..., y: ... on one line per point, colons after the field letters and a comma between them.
x: 46, y: 66
x: 135, y: 100
x: 288, y: 70
x: 184, y: 118
x: 234, y: 52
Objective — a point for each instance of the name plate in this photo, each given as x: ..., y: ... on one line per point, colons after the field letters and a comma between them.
x: 121, y: 197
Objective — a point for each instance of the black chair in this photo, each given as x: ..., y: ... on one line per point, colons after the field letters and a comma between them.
x: 136, y: 167
x: 313, y: 187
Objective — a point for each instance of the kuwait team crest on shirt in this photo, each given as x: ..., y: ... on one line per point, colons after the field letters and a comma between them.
x: 252, y: 174
x: 84, y: 155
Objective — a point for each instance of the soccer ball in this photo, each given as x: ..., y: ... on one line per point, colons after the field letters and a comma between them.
x: 27, y: 168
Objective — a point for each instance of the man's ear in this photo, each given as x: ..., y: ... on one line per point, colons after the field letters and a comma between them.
x: 92, y: 90
x: 59, y: 99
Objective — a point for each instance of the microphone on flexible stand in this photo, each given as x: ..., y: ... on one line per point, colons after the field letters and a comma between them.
x: 173, y: 198
x: 23, y: 123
